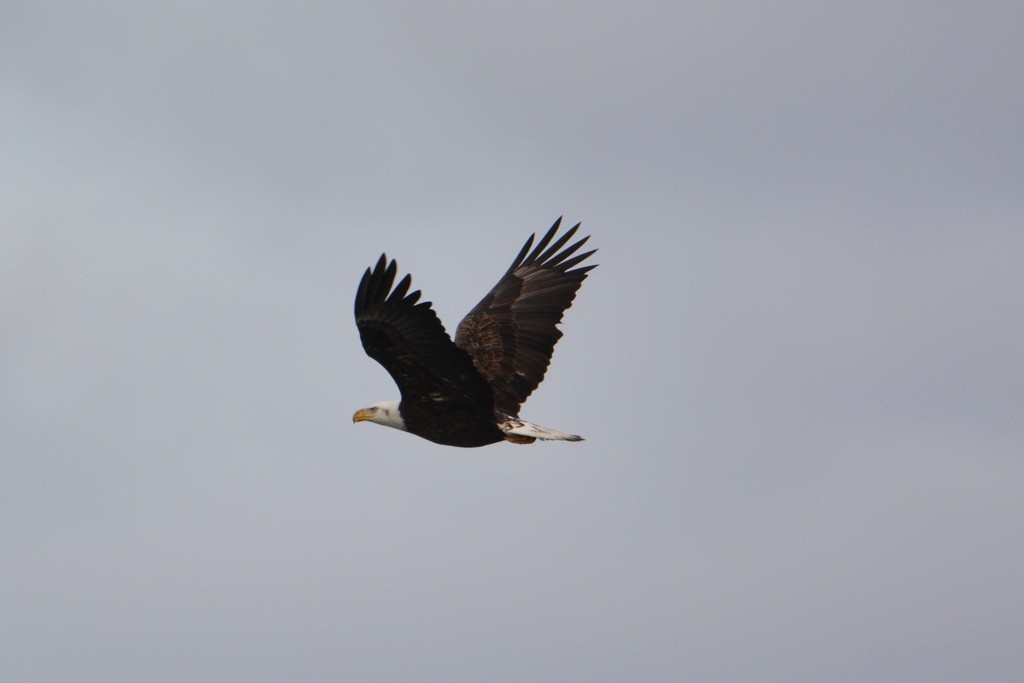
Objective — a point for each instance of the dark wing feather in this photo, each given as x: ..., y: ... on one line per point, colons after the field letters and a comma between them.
x: 512, y: 332
x: 408, y: 339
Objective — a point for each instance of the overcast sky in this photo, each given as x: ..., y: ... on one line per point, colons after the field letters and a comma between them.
x: 798, y: 367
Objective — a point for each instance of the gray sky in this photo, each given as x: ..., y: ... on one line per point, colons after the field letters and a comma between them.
x: 798, y: 367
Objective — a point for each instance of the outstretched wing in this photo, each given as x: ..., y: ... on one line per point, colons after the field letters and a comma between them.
x: 512, y: 332
x: 408, y: 339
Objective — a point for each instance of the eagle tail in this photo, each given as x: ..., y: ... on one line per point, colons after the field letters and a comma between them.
x: 523, y: 432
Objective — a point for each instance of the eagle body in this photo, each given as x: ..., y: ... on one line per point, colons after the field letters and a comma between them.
x: 467, y: 392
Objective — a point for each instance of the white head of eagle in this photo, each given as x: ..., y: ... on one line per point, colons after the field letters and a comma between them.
x: 383, y: 413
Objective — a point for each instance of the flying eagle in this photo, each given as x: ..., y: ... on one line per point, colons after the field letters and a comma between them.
x: 468, y: 392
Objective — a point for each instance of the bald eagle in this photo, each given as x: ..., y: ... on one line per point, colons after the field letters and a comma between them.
x: 468, y: 392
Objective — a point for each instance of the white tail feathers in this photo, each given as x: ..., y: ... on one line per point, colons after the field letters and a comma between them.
x: 521, y: 431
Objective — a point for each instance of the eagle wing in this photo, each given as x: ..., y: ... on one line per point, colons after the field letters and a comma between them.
x: 406, y: 337
x: 511, y: 334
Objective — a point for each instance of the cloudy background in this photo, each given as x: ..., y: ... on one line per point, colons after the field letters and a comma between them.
x: 798, y: 367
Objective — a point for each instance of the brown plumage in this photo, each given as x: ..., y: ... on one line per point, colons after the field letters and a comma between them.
x: 511, y: 333
x: 468, y: 392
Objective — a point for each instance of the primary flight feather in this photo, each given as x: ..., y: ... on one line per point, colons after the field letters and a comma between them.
x: 468, y: 392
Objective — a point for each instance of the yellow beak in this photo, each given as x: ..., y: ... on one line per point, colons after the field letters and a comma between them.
x: 363, y: 415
